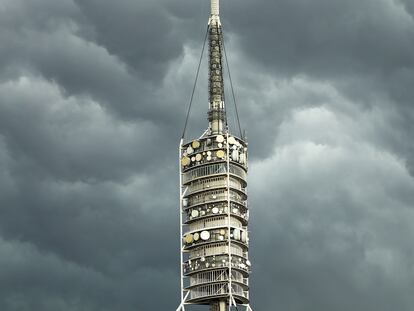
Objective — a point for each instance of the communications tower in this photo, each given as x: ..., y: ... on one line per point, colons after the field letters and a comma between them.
x: 214, y: 212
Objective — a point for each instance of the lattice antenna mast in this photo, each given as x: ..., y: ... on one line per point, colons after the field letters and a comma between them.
x: 217, y: 110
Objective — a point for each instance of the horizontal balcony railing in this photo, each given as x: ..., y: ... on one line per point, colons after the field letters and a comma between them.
x: 217, y: 290
x: 217, y: 276
x: 215, y: 195
x: 214, y: 209
x: 215, y: 182
x: 216, y: 262
x: 218, y: 221
x: 219, y: 168
x: 217, y: 249
x: 214, y: 235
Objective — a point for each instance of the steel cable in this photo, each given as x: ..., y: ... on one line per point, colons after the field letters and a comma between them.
x: 195, y: 83
x: 232, y: 89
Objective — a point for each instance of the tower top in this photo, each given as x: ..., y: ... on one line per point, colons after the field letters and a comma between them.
x: 215, y: 7
x: 215, y: 12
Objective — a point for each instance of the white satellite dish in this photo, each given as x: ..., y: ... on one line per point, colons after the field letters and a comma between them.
x: 205, y: 235
x: 232, y: 140
x: 219, y: 138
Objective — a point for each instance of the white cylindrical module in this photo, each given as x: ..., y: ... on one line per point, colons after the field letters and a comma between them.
x: 215, y: 7
x: 215, y: 224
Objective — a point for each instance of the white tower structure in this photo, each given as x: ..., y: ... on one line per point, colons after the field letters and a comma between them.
x: 214, y: 213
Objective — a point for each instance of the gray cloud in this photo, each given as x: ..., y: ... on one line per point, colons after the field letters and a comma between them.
x: 92, y: 102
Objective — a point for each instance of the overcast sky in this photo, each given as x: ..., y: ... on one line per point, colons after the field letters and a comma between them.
x: 92, y: 103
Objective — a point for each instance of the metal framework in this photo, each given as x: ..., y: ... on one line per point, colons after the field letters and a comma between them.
x: 214, y: 213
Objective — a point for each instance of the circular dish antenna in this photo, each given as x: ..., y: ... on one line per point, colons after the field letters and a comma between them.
x: 185, y: 161
x: 196, y: 236
x: 219, y: 138
x: 232, y: 140
x: 220, y: 154
x: 205, y: 235
x: 199, y: 157
x: 195, y: 144
x: 194, y: 213
x: 189, y: 239
x: 190, y: 150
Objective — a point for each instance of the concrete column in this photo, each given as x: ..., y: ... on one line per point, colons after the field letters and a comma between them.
x: 220, y: 305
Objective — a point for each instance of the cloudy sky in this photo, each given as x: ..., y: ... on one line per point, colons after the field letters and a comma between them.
x: 92, y: 102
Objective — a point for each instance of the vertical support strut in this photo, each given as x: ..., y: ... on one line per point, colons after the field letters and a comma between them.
x: 229, y: 220
x: 181, y: 220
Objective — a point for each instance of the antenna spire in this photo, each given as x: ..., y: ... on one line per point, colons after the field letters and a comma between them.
x: 217, y: 112
x: 215, y: 7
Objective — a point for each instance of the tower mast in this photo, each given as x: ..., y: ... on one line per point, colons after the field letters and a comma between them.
x: 214, y: 212
x: 217, y: 111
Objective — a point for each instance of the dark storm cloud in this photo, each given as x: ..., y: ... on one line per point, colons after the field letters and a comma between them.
x: 92, y: 98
